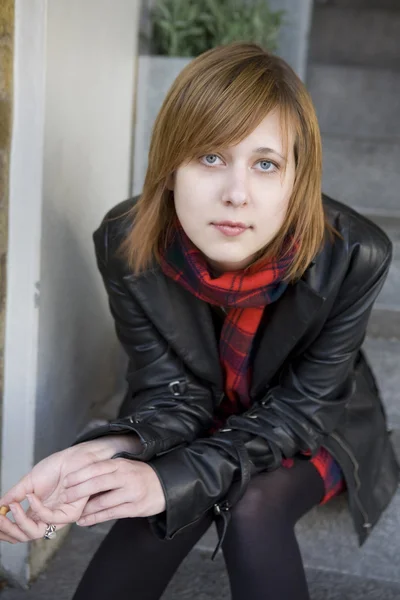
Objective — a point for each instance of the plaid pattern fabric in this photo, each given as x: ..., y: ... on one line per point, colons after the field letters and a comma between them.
x: 329, y: 470
x: 244, y: 293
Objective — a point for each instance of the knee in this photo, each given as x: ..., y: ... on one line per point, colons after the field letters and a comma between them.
x: 258, y: 506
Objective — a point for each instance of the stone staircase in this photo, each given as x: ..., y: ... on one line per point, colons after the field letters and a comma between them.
x: 354, y: 79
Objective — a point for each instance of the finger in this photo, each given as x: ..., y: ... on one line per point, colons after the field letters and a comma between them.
x: 18, y: 492
x: 7, y: 538
x: 96, y: 485
x: 12, y: 530
x: 122, y: 511
x: 33, y: 530
x: 93, y: 470
x: 105, y: 501
x: 41, y: 512
x: 64, y: 513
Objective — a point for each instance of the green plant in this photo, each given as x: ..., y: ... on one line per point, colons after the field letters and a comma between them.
x: 190, y: 27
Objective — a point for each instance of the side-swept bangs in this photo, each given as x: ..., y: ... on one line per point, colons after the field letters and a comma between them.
x: 215, y: 102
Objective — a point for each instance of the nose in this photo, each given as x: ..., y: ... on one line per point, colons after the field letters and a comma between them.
x: 236, y: 192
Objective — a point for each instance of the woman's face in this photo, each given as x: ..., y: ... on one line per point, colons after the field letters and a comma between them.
x: 243, y: 185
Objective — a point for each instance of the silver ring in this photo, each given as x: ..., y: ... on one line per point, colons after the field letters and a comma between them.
x: 50, y: 532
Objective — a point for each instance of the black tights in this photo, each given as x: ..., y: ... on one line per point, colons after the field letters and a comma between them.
x: 260, y: 548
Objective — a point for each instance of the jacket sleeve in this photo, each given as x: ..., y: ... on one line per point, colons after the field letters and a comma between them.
x: 166, y: 406
x: 293, y: 417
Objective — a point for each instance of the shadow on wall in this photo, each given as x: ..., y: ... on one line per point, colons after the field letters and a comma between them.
x: 81, y: 362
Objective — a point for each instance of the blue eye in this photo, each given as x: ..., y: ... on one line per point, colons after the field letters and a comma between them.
x: 210, y: 162
x: 267, y: 163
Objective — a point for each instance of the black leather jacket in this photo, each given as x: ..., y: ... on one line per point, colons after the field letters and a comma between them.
x: 311, y: 383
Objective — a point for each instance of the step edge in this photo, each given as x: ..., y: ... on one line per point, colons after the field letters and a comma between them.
x: 385, y: 141
x: 368, y: 212
x: 350, y: 67
x: 338, y: 7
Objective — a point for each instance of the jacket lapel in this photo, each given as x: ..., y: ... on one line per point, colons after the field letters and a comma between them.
x: 183, y: 320
x: 186, y: 323
x: 290, y: 317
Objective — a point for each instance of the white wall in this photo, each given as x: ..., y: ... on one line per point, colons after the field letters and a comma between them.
x: 91, y: 48
x: 71, y: 161
x: 23, y: 261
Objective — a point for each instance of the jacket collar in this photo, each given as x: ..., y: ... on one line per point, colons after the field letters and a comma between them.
x: 186, y: 323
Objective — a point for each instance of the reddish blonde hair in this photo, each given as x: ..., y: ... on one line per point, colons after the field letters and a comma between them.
x: 216, y: 101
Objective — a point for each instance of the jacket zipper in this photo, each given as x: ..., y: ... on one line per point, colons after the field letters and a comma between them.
x: 353, y: 459
x: 195, y: 520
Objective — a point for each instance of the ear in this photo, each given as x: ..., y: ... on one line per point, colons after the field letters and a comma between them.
x: 171, y: 181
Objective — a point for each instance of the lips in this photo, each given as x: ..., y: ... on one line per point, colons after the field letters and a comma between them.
x: 236, y: 224
x: 230, y: 228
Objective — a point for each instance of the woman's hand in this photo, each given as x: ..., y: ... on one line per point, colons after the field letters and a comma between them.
x: 46, y: 482
x: 122, y: 488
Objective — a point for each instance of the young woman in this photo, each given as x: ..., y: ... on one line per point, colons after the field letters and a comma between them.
x: 241, y: 296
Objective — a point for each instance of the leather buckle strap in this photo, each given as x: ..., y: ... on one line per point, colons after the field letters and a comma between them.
x: 222, y: 509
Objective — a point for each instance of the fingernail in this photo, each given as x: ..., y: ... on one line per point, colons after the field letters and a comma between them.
x: 81, y: 522
x: 12, y: 506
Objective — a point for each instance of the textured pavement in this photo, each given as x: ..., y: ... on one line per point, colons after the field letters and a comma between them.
x: 197, y: 579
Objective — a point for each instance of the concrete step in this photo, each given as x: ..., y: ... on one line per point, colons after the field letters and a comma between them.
x: 363, y: 173
x: 328, y: 542
x: 384, y: 357
x: 385, y: 318
x: 390, y: 294
x: 201, y: 579
x: 198, y: 578
x: 355, y: 101
x: 364, y: 4
x: 384, y: 322
x: 367, y: 37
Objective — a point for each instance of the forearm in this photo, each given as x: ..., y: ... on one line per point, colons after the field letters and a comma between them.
x: 209, y: 472
x: 160, y: 420
x: 213, y: 473
x: 125, y: 443
x: 110, y: 445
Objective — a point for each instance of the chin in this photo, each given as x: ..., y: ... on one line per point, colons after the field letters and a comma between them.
x: 229, y: 264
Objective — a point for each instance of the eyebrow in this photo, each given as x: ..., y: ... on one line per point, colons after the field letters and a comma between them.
x: 265, y: 150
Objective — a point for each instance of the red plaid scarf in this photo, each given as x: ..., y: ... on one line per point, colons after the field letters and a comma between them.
x: 245, y: 293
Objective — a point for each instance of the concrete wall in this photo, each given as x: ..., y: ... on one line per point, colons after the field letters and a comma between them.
x: 294, y: 35
x: 91, y: 48
x: 71, y: 160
